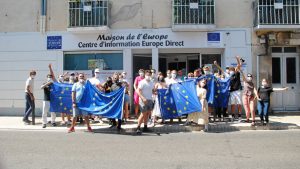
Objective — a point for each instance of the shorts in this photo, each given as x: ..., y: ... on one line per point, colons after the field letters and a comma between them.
x: 146, y: 107
x: 77, y: 112
x: 235, y: 98
x: 127, y: 99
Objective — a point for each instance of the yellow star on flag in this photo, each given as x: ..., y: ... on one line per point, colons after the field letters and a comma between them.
x: 60, y: 104
x: 184, y: 108
x: 187, y: 97
x: 187, y: 103
x: 65, y: 108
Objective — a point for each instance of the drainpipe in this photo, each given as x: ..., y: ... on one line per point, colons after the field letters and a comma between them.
x: 43, y: 16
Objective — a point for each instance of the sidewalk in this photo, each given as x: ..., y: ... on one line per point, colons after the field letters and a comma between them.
x: 277, y: 122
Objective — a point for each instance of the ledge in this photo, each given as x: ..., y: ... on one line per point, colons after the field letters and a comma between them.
x: 101, y: 29
x: 187, y: 28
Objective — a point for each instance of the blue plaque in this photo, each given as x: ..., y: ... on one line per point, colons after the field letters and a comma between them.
x: 54, y: 42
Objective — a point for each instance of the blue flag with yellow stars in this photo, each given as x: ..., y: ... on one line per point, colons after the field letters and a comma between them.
x: 181, y: 98
x: 109, y: 105
x: 217, y: 91
x: 61, y: 98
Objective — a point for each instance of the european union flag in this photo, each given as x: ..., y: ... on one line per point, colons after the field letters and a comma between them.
x: 109, y: 105
x: 61, y: 98
x: 181, y: 98
x: 217, y: 91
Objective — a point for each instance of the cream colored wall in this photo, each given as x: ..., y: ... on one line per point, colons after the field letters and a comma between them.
x: 234, y: 13
x: 23, y: 16
x: 19, y: 15
x: 57, y: 18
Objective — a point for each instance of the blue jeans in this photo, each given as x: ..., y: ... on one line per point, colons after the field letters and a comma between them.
x: 29, y: 106
x: 263, y: 110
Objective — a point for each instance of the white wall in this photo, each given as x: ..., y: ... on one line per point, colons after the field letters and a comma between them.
x: 19, y: 54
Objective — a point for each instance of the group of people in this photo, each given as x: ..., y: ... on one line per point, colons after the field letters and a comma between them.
x: 146, y: 105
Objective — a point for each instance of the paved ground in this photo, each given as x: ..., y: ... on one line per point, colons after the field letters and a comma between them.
x: 234, y: 150
x: 278, y: 122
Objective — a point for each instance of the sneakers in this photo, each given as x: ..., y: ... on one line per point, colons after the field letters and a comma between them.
x: 53, y: 125
x: 138, y: 131
x: 89, y: 129
x: 72, y: 129
x: 26, y: 121
x: 44, y: 126
x: 112, y: 127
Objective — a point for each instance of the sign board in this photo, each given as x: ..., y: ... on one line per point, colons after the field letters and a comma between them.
x: 97, y: 63
x: 278, y: 4
x: 54, y: 42
x: 194, y: 5
x: 87, y: 8
x: 213, y: 39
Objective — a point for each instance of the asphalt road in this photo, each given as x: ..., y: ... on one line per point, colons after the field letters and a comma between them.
x: 80, y: 150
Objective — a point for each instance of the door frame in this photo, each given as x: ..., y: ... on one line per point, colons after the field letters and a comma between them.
x: 283, y: 57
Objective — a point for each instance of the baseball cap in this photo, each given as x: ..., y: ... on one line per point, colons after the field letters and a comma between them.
x: 97, y: 70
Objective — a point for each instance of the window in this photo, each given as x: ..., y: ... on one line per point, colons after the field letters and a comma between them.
x: 276, y: 70
x: 290, y: 50
x: 290, y: 70
x: 89, y: 61
x: 276, y: 49
x: 194, y: 11
x: 88, y: 13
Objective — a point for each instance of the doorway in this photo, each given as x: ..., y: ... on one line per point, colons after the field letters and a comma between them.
x: 285, y: 73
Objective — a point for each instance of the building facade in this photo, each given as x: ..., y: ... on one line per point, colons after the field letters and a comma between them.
x: 126, y: 35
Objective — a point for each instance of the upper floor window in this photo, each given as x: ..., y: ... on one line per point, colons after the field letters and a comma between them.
x: 193, y: 12
x: 88, y: 13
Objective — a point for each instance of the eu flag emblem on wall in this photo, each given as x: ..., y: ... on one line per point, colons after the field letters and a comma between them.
x: 213, y: 37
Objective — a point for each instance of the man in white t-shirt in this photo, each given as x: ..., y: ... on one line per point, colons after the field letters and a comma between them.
x: 145, y: 91
x: 30, y: 105
x: 95, y: 80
